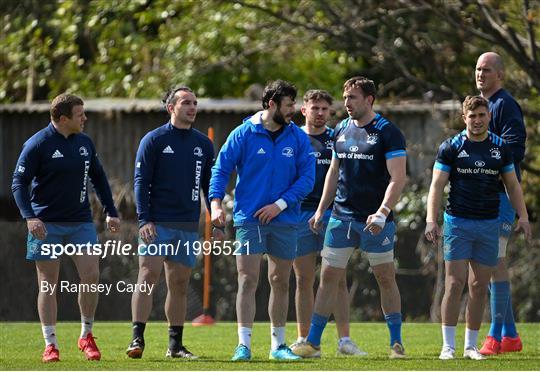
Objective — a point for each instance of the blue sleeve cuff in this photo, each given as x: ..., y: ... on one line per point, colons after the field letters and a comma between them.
x: 508, y: 168
x: 395, y: 154
x: 442, y: 167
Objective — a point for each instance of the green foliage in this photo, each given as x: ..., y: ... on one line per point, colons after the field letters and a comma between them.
x: 138, y: 48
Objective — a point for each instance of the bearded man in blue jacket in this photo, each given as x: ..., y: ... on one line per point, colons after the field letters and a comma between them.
x: 276, y: 171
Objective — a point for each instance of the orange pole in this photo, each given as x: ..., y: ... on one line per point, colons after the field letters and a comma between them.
x: 207, y: 258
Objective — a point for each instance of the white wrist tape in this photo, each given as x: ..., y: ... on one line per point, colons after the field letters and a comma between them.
x: 282, y: 204
x: 379, y: 219
x: 386, y: 208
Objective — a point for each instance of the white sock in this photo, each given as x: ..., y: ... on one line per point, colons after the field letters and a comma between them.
x: 449, y: 336
x: 471, y: 338
x: 343, y: 339
x: 244, y: 336
x: 49, y: 334
x: 86, y: 326
x: 277, y: 336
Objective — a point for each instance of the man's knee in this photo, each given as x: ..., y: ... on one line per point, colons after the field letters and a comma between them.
x: 149, y: 274
x: 90, y: 275
x: 454, y: 285
x: 279, y: 282
x: 385, y: 278
x: 247, y: 282
x: 478, y: 288
x: 178, y: 284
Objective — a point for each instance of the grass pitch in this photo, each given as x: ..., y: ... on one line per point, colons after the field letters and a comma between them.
x: 21, y: 345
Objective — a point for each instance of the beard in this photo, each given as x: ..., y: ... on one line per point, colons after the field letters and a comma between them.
x: 279, y: 118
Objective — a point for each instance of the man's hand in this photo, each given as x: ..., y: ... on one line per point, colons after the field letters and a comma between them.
x: 148, y: 233
x: 433, y: 232
x: 37, y: 228
x: 113, y: 224
x: 524, y: 226
x: 375, y: 223
x: 267, y: 213
x: 315, y: 222
x: 217, y: 214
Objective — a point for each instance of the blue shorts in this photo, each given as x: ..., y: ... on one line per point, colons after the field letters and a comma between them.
x: 68, y: 235
x: 278, y: 241
x: 308, y: 242
x: 345, y: 234
x: 507, y: 215
x: 467, y: 239
x: 175, y: 244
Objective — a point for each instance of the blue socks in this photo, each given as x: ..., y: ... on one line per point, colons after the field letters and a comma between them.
x: 500, y: 295
x: 393, y: 321
x: 318, y: 322
x: 509, y: 326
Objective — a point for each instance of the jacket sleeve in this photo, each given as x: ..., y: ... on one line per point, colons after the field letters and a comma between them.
x: 144, y: 171
x: 25, y: 171
x: 305, y: 165
x: 229, y: 156
x: 101, y: 184
x: 207, y: 173
x: 511, y: 128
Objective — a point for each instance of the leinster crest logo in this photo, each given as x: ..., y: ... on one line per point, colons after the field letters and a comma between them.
x: 495, y: 153
x: 372, y: 139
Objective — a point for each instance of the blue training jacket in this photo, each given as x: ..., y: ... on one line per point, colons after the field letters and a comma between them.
x: 171, y: 168
x: 267, y: 171
x: 57, y: 170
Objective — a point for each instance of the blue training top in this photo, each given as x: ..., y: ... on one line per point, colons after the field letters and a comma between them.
x: 507, y: 123
x: 171, y: 167
x: 267, y: 170
x: 58, y: 169
x: 322, y: 146
x: 475, y: 168
x: 363, y: 175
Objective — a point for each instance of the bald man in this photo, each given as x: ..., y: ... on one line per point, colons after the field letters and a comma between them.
x: 506, y: 122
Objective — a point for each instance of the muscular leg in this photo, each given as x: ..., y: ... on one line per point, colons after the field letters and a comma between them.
x: 341, y: 310
x: 47, y: 271
x: 478, y: 280
x: 386, y: 278
x: 47, y: 274
x: 454, y: 282
x: 177, y: 277
x: 149, y: 271
x: 500, y: 273
x: 385, y: 273
x: 327, y: 293
x: 88, y: 270
x: 279, y: 272
x: 249, y: 267
x: 325, y: 301
x: 304, y: 270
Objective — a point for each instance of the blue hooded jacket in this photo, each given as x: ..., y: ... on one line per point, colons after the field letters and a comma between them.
x: 267, y: 171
